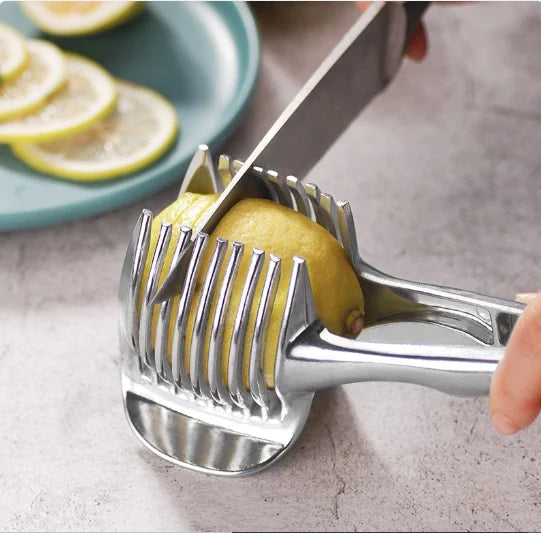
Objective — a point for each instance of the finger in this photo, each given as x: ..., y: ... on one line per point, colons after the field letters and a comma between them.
x: 515, y: 393
x: 363, y: 6
x: 418, y: 45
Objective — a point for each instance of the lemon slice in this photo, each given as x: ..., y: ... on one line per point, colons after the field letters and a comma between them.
x: 88, y: 96
x: 79, y: 18
x: 13, y: 53
x: 139, y: 130
x: 45, y: 73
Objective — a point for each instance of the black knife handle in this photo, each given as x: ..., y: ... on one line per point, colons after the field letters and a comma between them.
x: 414, y: 12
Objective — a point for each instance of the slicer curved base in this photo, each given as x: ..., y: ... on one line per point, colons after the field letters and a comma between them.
x: 186, y: 441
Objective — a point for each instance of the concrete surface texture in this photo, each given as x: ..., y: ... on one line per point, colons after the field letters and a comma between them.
x: 443, y: 172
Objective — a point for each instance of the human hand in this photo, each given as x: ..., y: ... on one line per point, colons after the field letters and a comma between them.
x: 515, y: 393
x: 418, y: 44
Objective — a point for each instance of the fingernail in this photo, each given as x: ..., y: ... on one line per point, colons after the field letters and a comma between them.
x: 525, y: 297
x: 504, y: 425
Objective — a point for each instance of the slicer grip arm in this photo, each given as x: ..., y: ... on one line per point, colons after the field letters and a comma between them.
x: 318, y: 359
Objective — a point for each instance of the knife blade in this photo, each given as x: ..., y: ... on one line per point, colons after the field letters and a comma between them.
x: 359, y: 67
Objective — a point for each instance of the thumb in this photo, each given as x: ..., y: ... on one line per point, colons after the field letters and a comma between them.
x: 515, y: 392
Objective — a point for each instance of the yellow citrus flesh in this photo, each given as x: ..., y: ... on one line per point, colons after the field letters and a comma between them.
x: 14, y: 54
x: 284, y: 233
x: 80, y: 18
x: 139, y: 129
x: 88, y: 96
x: 44, y: 75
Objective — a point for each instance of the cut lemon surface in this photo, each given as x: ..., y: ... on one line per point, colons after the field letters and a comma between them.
x: 79, y: 18
x: 139, y: 130
x: 46, y: 72
x: 88, y: 95
x: 13, y: 53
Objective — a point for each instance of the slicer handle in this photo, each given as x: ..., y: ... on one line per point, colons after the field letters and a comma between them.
x: 318, y: 359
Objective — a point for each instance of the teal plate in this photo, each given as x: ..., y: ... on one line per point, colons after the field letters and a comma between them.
x: 203, y: 57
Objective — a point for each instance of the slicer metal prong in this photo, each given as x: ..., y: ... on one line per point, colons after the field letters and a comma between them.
x: 217, y: 386
x: 235, y: 379
x: 201, y: 177
x: 145, y: 324
x: 197, y: 350
x: 330, y: 214
x: 314, y: 195
x: 301, y: 198
x: 161, y: 350
x: 180, y: 374
x: 281, y: 189
x: 258, y: 388
x: 225, y: 169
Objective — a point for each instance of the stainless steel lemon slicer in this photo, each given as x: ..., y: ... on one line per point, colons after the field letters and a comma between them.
x: 201, y: 421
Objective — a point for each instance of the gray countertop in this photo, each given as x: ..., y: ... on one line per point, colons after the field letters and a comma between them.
x: 443, y: 172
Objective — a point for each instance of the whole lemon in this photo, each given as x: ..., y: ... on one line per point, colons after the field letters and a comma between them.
x: 280, y: 231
